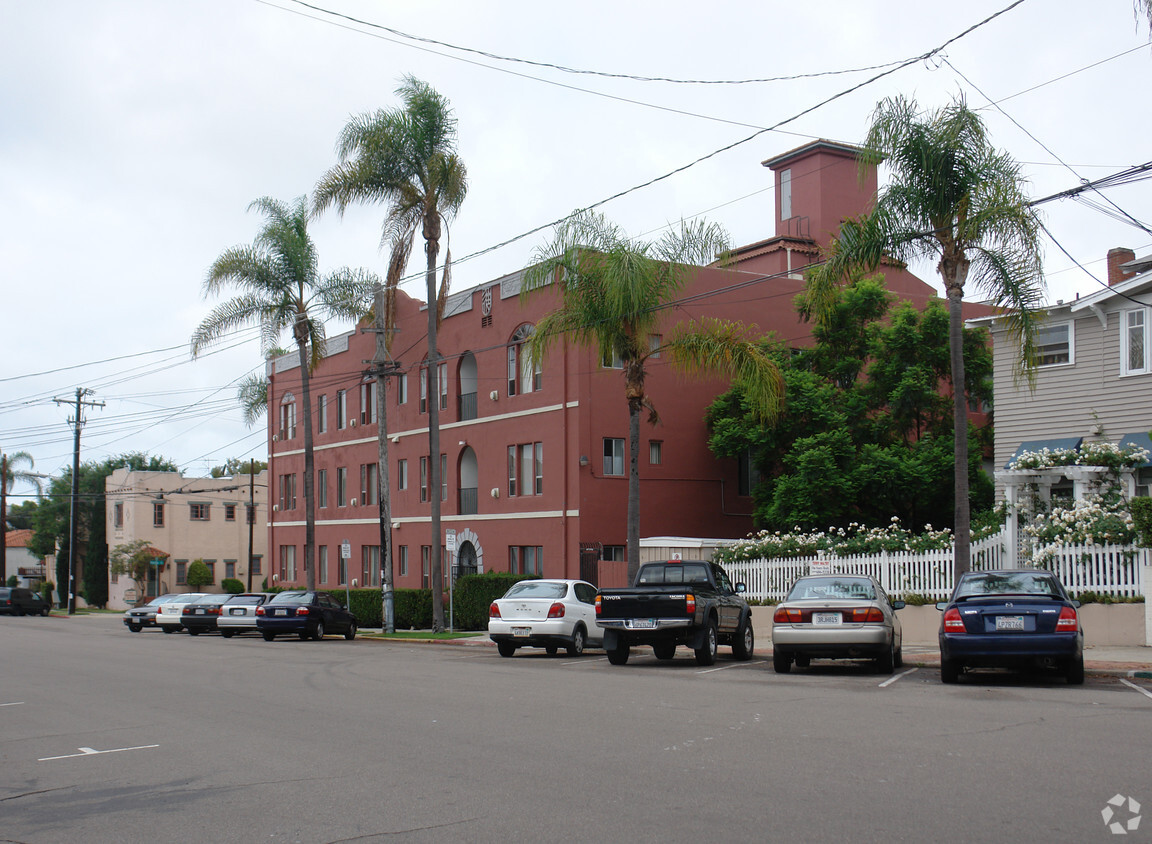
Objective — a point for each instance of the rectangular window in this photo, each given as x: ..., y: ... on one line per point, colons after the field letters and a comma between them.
x: 288, y: 492
x: 367, y: 402
x: 369, y: 474
x: 526, y: 559
x: 341, y: 571
x: 423, y: 479
x: 443, y: 477
x: 342, y: 486
x: 118, y: 515
x: 538, y: 470
x: 423, y: 389
x: 211, y: 566
x: 655, y: 452
x: 613, y: 456
x: 526, y: 485
x: 425, y: 566
x: 370, y: 565
x: 748, y: 474
x: 612, y: 553
x: 158, y: 515
x: 401, y: 474
x: 654, y: 343
x: 526, y: 469
x: 612, y: 361
x: 403, y: 560
x: 1134, y: 353
x: 229, y: 512
x: 321, y: 487
x: 785, y: 194
x: 181, y: 571
x: 341, y: 410
x: 322, y: 560
x: 288, y: 420
x: 257, y: 560
x: 402, y: 389
x: 442, y: 378
x: 287, y: 564
x: 513, y: 475
x: 198, y: 512
x: 1054, y: 344
x: 230, y: 568
x: 322, y: 414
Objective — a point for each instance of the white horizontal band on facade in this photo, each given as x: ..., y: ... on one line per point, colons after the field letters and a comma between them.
x: 447, y: 426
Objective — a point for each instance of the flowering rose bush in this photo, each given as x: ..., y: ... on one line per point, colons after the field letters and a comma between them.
x: 854, y: 539
x: 1095, y: 520
x: 1089, y: 454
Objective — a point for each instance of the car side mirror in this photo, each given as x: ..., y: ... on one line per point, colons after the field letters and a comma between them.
x: 898, y: 605
x: 940, y: 605
x: 740, y: 587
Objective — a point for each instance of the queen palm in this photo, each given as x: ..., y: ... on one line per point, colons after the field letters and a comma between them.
x: 280, y: 289
x: 406, y: 159
x: 955, y: 199
x: 612, y: 291
x: 10, y: 473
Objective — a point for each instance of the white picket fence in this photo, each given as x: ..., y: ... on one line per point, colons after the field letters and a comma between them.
x: 1109, y: 569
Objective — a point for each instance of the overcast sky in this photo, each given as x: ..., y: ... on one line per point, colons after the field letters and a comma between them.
x: 133, y: 136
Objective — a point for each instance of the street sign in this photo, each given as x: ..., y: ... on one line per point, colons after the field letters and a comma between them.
x: 450, y: 539
x: 345, y: 550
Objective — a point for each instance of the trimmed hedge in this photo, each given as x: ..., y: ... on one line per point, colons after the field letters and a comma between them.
x: 232, y: 586
x: 474, y: 593
x: 1141, y: 509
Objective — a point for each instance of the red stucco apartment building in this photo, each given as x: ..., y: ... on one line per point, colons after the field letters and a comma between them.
x: 535, y: 462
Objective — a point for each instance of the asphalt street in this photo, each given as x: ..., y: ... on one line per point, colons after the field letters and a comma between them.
x: 110, y: 736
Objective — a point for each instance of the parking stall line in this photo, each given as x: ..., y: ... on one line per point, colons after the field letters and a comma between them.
x: 896, y: 677
x: 88, y: 751
x: 585, y: 661
x: 1140, y: 689
x: 14, y: 703
x: 732, y: 665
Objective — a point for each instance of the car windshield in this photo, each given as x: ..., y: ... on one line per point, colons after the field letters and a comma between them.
x: 688, y: 573
x: 974, y: 585
x: 292, y: 598
x: 839, y: 588
x: 537, y: 589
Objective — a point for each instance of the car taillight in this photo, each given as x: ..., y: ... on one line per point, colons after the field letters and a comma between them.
x: 597, y: 605
x: 259, y: 611
x: 301, y: 611
x: 865, y: 614
x: 784, y: 615
x: 187, y: 611
x: 556, y: 610
x: 1068, y: 622
x: 690, y: 602
x: 953, y: 623
x: 494, y: 610
x: 214, y: 611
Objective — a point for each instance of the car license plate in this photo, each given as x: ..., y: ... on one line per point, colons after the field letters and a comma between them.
x: 280, y: 612
x: 1009, y: 622
x: 237, y: 612
x: 199, y: 612
x: 826, y: 618
x: 643, y: 623
x: 521, y: 631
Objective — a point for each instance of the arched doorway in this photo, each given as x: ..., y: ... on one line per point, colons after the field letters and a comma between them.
x: 467, y: 560
x: 466, y: 378
x: 469, y: 475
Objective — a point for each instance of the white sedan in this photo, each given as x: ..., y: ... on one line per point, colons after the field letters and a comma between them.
x: 169, y: 614
x: 547, y: 614
x: 238, y: 614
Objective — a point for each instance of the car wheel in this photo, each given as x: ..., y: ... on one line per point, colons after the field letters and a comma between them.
x: 619, y: 654
x: 268, y: 635
x: 550, y: 650
x: 899, y: 658
x: 167, y: 628
x: 44, y: 611
x: 192, y: 632
x: 949, y: 671
x: 20, y: 612
x: 318, y: 633
x: 886, y: 662
x: 803, y: 660
x: 350, y: 634
x: 577, y: 646
x: 1075, y: 673
x: 227, y: 634
x: 706, y: 653
x: 782, y: 661
x: 506, y: 648
x: 745, y: 641
x: 665, y: 650
x: 135, y: 628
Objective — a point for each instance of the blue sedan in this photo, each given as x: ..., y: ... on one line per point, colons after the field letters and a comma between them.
x: 306, y: 614
x: 1010, y: 619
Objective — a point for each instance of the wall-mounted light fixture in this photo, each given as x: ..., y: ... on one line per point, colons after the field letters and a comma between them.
x: 583, y: 460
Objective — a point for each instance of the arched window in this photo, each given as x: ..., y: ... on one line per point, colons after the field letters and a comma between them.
x: 287, y: 417
x: 523, y: 377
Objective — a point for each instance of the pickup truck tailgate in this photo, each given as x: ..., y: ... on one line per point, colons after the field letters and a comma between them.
x: 650, y: 605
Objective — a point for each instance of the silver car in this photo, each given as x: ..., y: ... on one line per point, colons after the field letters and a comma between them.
x: 836, y: 616
x: 238, y: 614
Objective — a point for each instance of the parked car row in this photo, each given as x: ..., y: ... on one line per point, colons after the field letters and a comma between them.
x: 306, y: 614
x: 1016, y: 619
x: 16, y: 600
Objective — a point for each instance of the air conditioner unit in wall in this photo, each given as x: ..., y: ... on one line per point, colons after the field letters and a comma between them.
x: 275, y: 438
x: 353, y: 502
x: 276, y: 508
x: 353, y: 422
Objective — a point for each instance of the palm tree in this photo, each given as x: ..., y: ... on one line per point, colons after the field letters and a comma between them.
x: 280, y: 289
x: 955, y: 199
x: 9, y: 474
x: 406, y: 158
x: 612, y: 291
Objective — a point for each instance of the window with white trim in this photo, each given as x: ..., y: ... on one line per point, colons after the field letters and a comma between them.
x: 1054, y: 344
x: 613, y: 455
x: 523, y: 375
x: 1134, y: 341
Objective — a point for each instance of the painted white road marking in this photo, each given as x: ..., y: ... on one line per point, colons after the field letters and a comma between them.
x: 896, y: 677
x: 14, y: 703
x: 1140, y: 689
x: 88, y: 751
x: 732, y: 665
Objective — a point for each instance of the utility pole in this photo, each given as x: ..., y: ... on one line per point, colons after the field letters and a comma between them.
x: 251, y: 515
x: 78, y: 423
x: 382, y: 368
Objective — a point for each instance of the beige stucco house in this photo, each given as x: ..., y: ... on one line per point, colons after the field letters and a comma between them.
x: 187, y: 519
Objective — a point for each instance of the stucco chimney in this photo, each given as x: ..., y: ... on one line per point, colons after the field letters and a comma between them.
x: 1116, y: 257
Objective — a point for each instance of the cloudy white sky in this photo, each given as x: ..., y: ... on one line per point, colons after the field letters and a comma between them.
x: 133, y: 136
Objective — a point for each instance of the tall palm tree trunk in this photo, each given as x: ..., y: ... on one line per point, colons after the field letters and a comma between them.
x: 633, y: 489
x: 431, y: 249
x: 962, y: 527
x: 3, y: 519
x: 379, y: 361
x: 309, y: 460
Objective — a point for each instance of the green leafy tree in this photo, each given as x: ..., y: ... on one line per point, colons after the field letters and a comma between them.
x: 253, y: 397
x: 405, y: 158
x: 236, y: 466
x: 866, y: 450
x: 10, y: 473
x: 955, y: 199
x: 611, y: 292
x: 20, y: 515
x: 198, y: 574
x: 280, y: 289
x: 134, y: 560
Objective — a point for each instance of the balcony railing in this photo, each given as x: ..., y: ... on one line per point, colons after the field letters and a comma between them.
x: 468, y: 501
x: 467, y: 406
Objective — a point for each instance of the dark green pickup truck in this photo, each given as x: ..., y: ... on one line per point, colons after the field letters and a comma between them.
x: 679, y: 602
